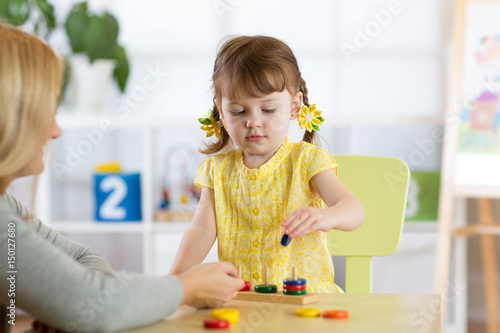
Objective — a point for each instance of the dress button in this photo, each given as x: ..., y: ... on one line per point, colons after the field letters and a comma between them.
x: 255, y: 243
x: 255, y: 276
x: 253, y: 178
x: 255, y: 211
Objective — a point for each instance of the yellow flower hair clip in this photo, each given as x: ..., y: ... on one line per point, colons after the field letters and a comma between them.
x: 210, y: 125
x: 310, y: 118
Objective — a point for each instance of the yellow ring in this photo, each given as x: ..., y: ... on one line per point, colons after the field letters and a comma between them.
x: 231, y: 315
x: 307, y: 312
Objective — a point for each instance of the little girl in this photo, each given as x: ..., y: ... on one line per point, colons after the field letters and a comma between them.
x: 269, y: 186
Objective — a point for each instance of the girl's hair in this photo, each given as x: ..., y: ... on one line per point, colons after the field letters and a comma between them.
x: 30, y: 83
x: 254, y: 66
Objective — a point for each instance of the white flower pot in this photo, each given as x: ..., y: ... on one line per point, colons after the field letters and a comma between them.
x: 88, y: 84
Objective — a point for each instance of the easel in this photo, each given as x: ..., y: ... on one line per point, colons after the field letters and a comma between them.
x: 486, y: 228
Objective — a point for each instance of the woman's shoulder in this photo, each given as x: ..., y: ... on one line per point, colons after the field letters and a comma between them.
x: 9, y: 204
x: 12, y: 210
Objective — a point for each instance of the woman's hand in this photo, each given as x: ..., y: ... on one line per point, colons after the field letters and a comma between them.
x: 210, y: 285
x: 305, y: 220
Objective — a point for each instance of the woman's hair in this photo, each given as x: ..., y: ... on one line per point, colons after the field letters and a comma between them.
x: 30, y: 83
x: 254, y: 66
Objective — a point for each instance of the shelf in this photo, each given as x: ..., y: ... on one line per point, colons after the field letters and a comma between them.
x: 171, y: 227
x: 181, y: 227
x: 92, y: 119
x: 98, y: 227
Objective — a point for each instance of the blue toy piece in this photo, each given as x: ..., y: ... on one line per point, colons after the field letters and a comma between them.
x: 292, y: 282
x: 285, y: 240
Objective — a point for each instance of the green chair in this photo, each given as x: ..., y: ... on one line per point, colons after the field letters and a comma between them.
x: 381, y: 185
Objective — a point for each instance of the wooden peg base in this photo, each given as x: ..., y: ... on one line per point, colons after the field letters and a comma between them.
x: 278, y: 297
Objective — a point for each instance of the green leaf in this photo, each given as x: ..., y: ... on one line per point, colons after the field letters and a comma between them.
x: 76, y: 27
x: 92, y: 36
x: 18, y: 11
x: 210, y: 112
x: 96, y: 36
x: 315, y: 127
x: 320, y: 118
x: 122, y: 68
x: 204, y: 121
x: 108, y: 37
x: 4, y: 10
x: 48, y: 13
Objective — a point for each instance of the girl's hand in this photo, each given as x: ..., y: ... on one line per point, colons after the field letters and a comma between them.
x: 305, y: 220
x: 210, y: 285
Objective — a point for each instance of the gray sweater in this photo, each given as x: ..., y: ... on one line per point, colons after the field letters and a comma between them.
x: 69, y: 287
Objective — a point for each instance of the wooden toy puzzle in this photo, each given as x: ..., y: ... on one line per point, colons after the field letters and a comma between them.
x: 294, y: 291
x: 266, y: 288
x: 277, y: 298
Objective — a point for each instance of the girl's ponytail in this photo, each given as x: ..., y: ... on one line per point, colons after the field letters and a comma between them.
x: 310, y: 137
x: 224, y: 139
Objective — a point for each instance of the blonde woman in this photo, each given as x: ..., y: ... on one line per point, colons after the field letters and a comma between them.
x: 62, y: 284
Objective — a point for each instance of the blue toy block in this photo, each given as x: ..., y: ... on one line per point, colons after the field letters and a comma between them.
x: 118, y: 197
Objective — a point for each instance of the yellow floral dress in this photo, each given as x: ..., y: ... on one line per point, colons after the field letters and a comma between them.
x: 250, y: 205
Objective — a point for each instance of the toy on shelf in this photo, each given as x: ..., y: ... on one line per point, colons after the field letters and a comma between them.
x: 117, y: 194
x: 179, y: 194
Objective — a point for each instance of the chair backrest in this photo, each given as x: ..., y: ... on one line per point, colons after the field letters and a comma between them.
x: 381, y: 185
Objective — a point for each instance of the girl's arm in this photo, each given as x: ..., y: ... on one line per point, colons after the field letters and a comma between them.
x: 344, y: 211
x: 200, y: 236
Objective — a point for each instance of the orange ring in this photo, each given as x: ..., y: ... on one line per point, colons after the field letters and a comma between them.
x: 336, y: 314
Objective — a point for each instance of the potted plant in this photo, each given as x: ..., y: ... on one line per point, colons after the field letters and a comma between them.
x: 35, y: 16
x: 97, y: 56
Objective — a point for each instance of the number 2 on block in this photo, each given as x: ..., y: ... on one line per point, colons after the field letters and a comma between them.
x: 109, y: 209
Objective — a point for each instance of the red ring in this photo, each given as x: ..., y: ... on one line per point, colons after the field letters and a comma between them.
x: 216, y: 323
x: 246, y: 287
x: 293, y: 288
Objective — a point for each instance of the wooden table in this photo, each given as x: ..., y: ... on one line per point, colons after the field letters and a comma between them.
x: 368, y: 313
